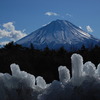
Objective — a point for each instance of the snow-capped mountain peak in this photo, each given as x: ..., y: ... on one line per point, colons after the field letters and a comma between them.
x: 57, y: 34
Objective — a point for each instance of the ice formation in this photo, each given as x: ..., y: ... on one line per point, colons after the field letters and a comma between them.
x: 64, y: 74
x: 89, y: 69
x: 83, y: 85
x: 77, y: 69
x: 41, y: 82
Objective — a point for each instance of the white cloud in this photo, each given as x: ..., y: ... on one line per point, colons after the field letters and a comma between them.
x: 51, y: 14
x: 89, y: 29
x: 4, y: 43
x: 68, y: 15
x: 10, y: 32
x: 9, y: 26
x: 80, y: 27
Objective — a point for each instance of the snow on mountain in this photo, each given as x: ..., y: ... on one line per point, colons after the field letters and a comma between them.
x: 57, y: 34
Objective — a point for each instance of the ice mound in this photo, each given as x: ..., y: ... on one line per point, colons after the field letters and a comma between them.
x: 83, y: 85
x: 64, y: 74
x: 41, y: 82
x: 77, y: 69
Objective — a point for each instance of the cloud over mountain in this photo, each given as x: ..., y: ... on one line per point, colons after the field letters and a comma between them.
x: 89, y: 29
x: 51, y: 14
x: 8, y: 31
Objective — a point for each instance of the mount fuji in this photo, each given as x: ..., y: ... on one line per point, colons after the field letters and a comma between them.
x: 59, y: 33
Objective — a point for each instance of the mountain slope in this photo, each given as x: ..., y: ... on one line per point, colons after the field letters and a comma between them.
x: 57, y: 34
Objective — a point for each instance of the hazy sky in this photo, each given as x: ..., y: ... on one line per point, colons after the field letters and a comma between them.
x: 21, y: 17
